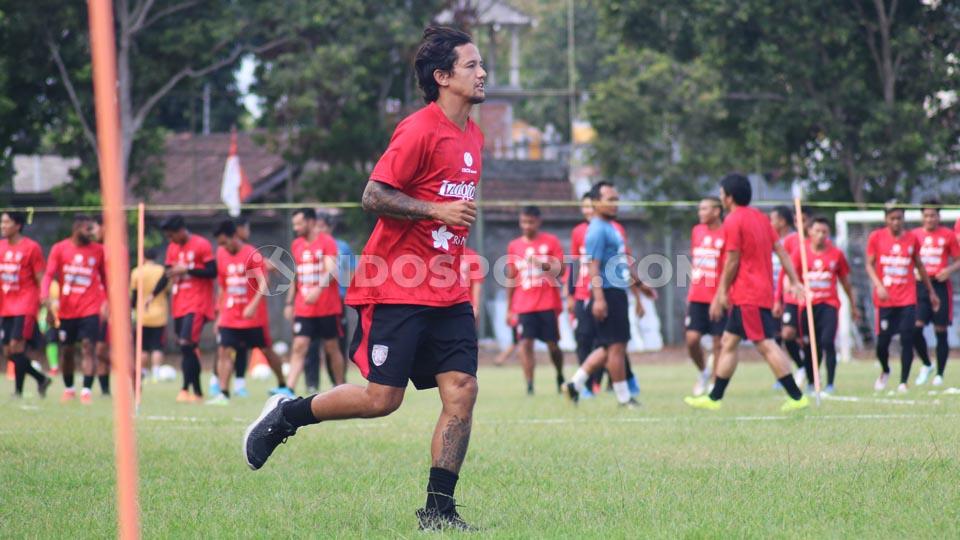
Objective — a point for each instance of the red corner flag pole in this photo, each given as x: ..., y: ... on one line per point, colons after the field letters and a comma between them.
x: 104, y: 56
x: 138, y: 374
x: 808, y: 300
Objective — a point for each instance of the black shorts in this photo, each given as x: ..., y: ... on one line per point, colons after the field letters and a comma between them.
x: 753, y: 323
x: 616, y: 327
x: 395, y: 343
x: 925, y: 313
x: 18, y: 328
x: 189, y: 327
x: 153, y: 338
x: 241, y: 338
x: 328, y: 327
x: 540, y: 325
x: 791, y: 316
x: 825, y: 321
x: 81, y: 329
x: 698, y: 320
x: 895, y: 320
x: 585, y: 328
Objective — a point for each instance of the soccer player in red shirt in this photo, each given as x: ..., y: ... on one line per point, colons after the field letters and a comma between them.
x: 192, y: 269
x: 101, y: 349
x: 534, y: 267
x: 826, y: 265
x: 940, y: 254
x: 242, y: 314
x: 706, y: 252
x: 21, y: 272
x: 891, y: 252
x: 313, y: 300
x: 76, y: 263
x: 416, y: 321
x: 746, y: 290
x: 785, y: 311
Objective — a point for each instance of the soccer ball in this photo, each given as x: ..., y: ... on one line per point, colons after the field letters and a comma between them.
x: 261, y: 372
x: 167, y: 373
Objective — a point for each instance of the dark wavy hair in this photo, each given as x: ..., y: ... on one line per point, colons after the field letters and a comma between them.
x: 437, y: 51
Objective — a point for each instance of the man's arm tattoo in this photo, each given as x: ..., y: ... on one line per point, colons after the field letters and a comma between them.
x: 385, y: 200
x: 456, y: 437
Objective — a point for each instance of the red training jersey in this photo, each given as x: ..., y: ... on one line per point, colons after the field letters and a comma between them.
x: 417, y: 262
x: 19, y: 265
x: 312, y: 275
x: 937, y: 247
x: 191, y: 294
x: 748, y: 231
x: 893, y: 262
x: 534, y: 290
x: 81, y: 273
x: 237, y: 274
x: 706, y: 253
x: 578, y: 252
x: 824, y: 268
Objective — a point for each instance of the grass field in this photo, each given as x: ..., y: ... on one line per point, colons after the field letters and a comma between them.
x: 874, y: 466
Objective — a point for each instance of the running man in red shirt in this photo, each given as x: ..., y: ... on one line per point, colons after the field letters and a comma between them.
x: 891, y: 252
x: 826, y: 265
x: 416, y: 321
x: 243, y: 318
x: 940, y: 254
x: 746, y: 291
x: 534, y: 267
x: 76, y: 263
x: 21, y: 272
x: 313, y: 300
x: 192, y: 269
x: 706, y: 253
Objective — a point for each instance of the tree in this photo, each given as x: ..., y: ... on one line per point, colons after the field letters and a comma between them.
x: 160, y: 46
x: 836, y: 93
x: 326, y: 91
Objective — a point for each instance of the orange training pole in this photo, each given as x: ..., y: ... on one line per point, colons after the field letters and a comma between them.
x: 140, y: 307
x: 104, y: 56
x: 808, y: 299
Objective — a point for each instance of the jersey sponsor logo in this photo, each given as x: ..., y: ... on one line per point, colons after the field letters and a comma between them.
x: 441, y: 238
x: 468, y: 161
x: 379, y: 354
x: 458, y: 190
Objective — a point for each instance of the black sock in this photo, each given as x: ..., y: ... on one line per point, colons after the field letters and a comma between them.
x: 104, y: 384
x: 793, y: 349
x: 920, y: 344
x: 790, y: 386
x: 87, y: 382
x: 298, y: 412
x: 831, y: 357
x: 883, y: 351
x: 440, y: 489
x: 28, y: 368
x: 226, y: 393
x: 240, y: 363
x: 556, y: 357
x: 719, y: 387
x: 943, y: 351
x: 191, y: 369
x: 20, y: 373
x: 906, y: 355
x: 68, y: 379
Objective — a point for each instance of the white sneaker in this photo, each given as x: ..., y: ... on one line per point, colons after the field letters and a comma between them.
x: 702, y: 381
x: 881, y: 382
x: 902, y: 389
x: 219, y: 400
x: 800, y: 377
x: 924, y: 374
x: 937, y: 381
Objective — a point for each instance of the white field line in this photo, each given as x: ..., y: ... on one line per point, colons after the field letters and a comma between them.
x: 888, y: 401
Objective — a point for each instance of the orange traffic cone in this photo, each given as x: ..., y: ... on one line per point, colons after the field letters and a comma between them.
x: 11, y: 370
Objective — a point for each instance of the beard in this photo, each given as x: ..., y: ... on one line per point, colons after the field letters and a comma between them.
x: 476, y: 100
